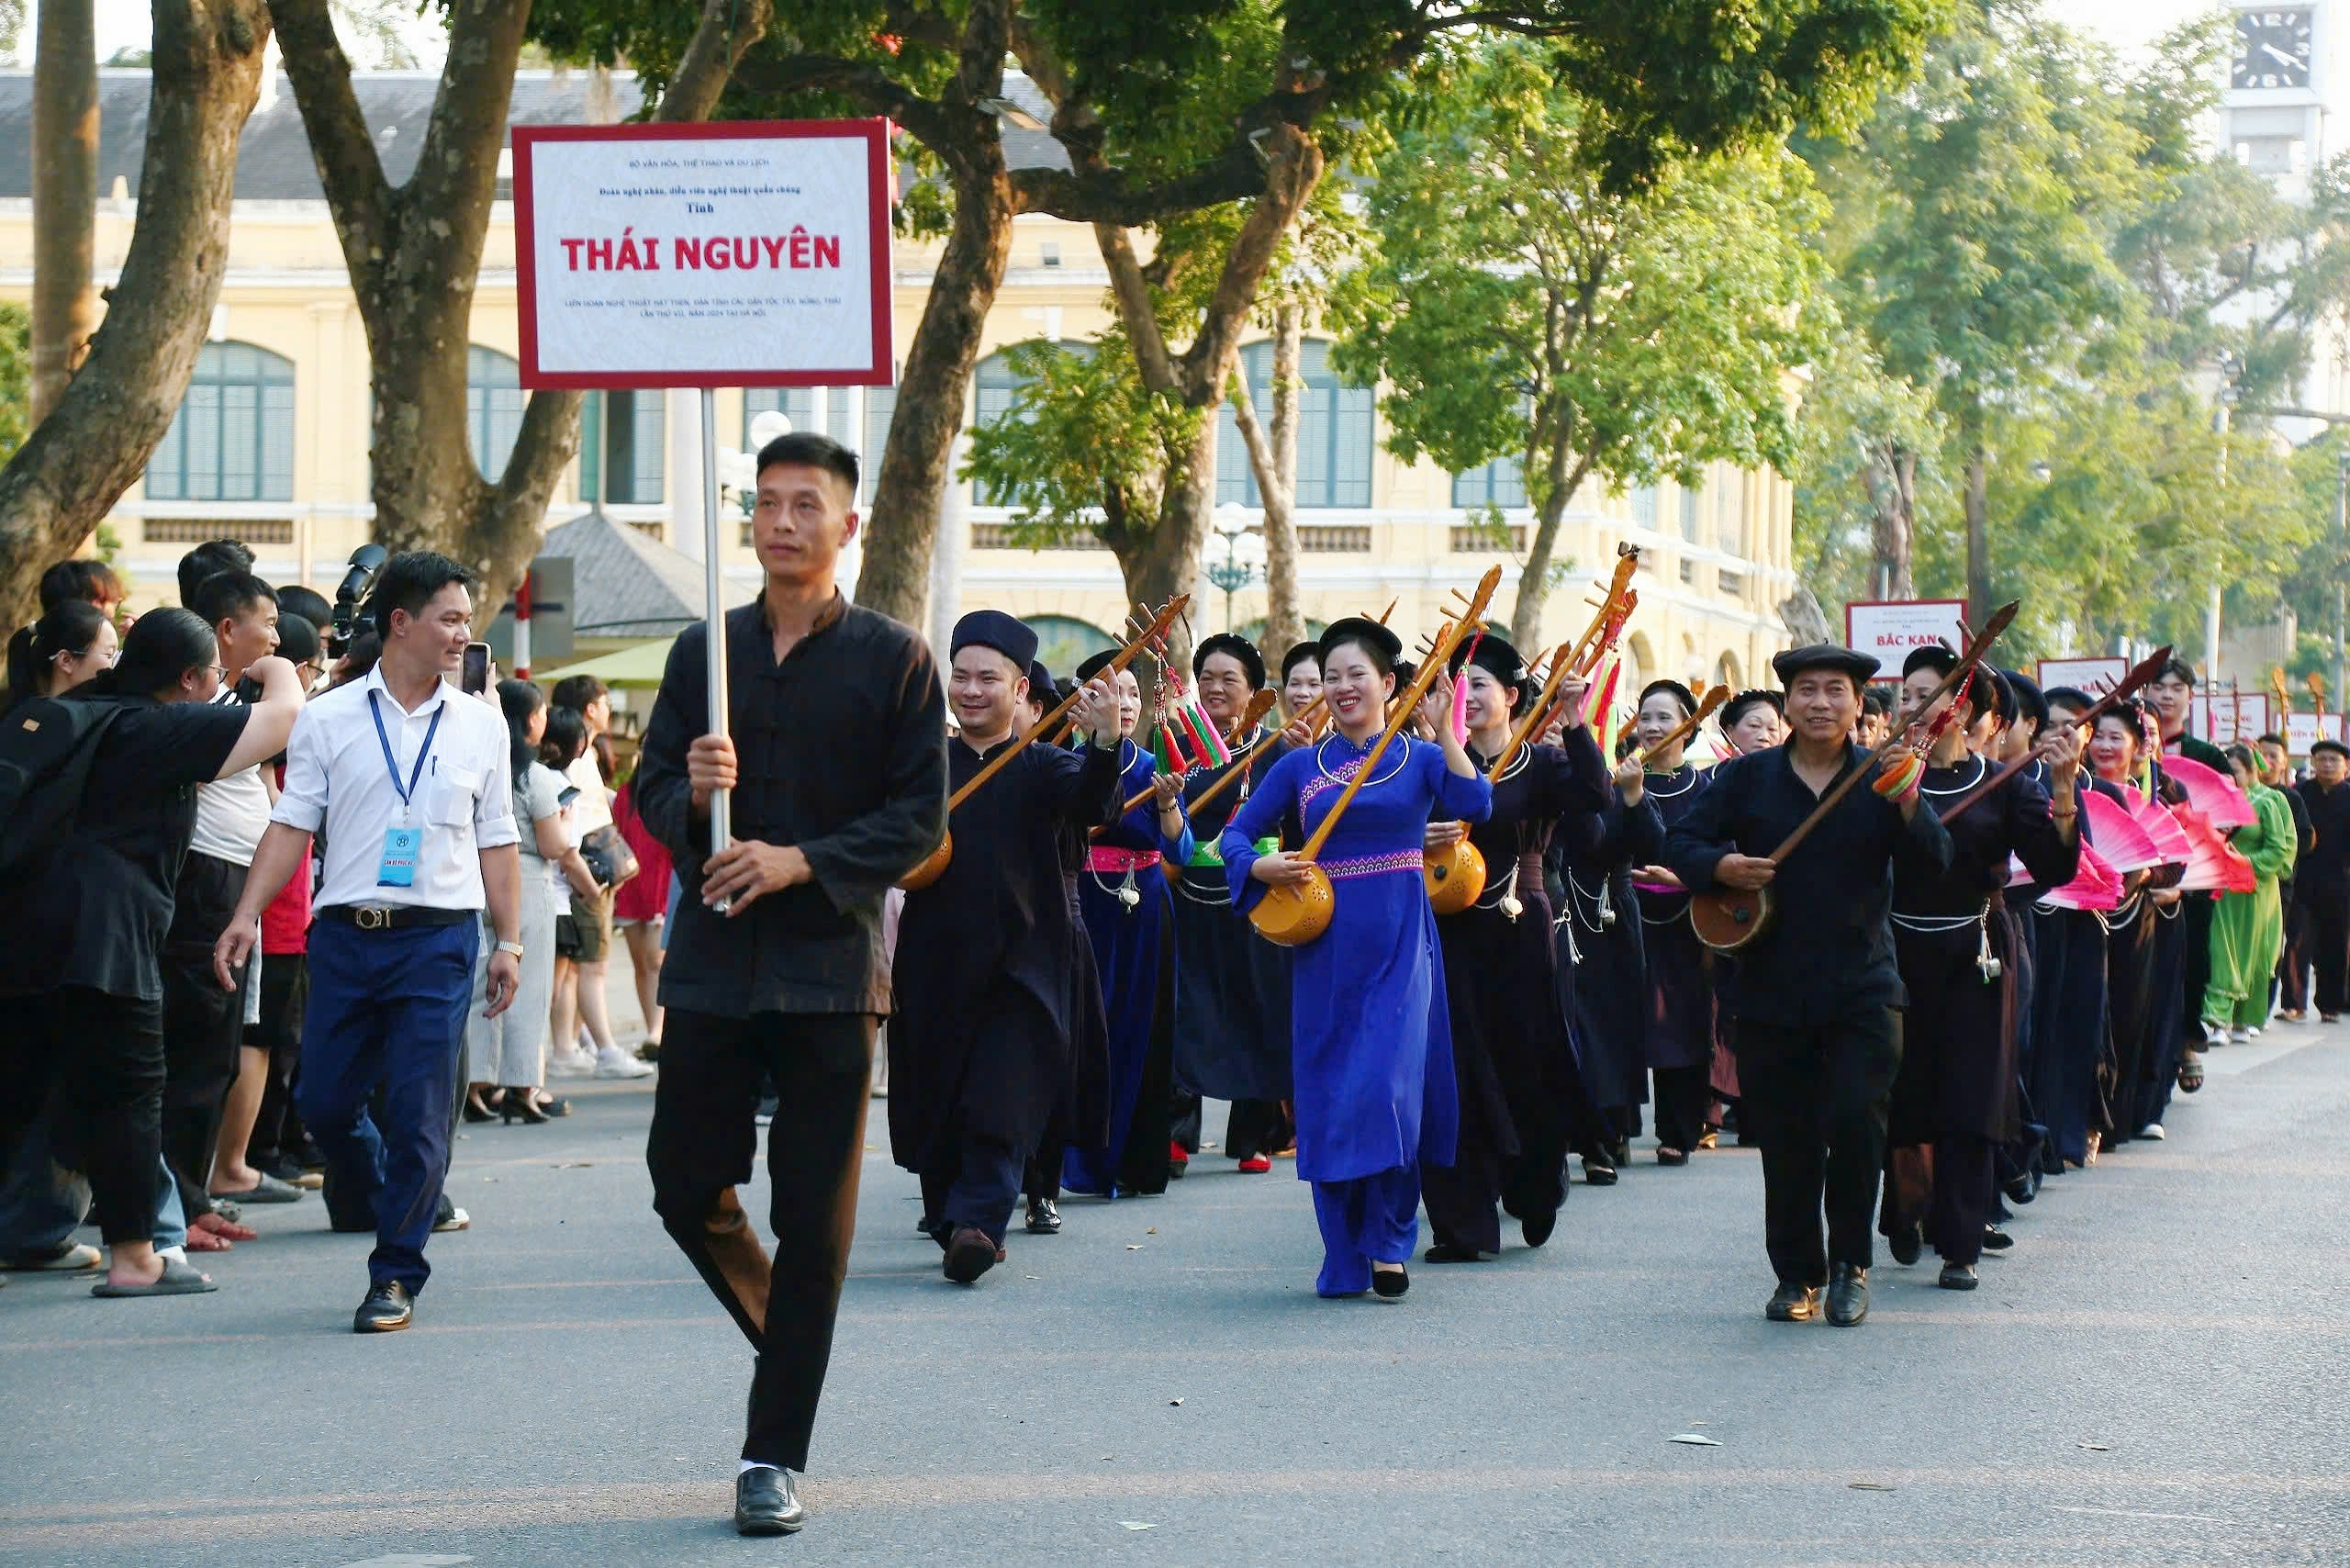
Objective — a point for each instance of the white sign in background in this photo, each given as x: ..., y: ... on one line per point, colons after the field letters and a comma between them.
x: 2095, y: 675
x: 1892, y: 631
x: 2227, y: 719
x: 708, y: 256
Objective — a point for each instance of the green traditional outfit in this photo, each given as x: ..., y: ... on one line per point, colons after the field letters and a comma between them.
x: 2248, y: 929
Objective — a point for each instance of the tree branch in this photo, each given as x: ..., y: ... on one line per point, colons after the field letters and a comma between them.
x: 340, y: 144
x: 948, y: 129
x: 456, y: 172
x: 1134, y: 308
x: 1290, y: 178
x: 728, y: 29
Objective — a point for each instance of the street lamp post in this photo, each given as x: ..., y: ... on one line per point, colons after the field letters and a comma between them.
x: 1243, y: 554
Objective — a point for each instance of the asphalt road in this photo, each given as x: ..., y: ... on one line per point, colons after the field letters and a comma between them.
x: 2154, y: 1376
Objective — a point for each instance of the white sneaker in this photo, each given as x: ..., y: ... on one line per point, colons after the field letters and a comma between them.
x: 2152, y: 1130
x: 614, y: 1062
x: 570, y: 1064
x: 2215, y: 1034
x: 2250, y: 1033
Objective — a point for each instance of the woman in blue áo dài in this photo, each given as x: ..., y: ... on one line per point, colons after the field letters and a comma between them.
x: 1128, y: 918
x: 1370, y: 1040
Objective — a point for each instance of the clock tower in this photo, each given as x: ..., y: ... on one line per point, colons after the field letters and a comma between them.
x: 2276, y: 88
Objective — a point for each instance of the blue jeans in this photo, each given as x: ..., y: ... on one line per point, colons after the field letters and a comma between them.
x: 387, y: 1007
x: 43, y: 1202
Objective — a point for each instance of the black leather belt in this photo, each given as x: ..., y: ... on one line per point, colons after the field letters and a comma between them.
x: 393, y: 916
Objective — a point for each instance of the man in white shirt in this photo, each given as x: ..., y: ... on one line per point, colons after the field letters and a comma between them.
x: 405, y: 780
x: 203, y: 1029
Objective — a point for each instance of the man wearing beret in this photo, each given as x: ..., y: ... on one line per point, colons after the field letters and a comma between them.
x: 1815, y: 1000
x: 2322, y: 877
x: 979, y: 1047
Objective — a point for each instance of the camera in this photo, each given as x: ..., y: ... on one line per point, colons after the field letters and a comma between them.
x: 352, y: 592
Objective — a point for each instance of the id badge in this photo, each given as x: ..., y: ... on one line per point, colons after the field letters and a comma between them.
x: 398, y: 866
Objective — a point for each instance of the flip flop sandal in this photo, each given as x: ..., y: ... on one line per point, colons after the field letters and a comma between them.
x: 2190, y: 1077
x: 268, y: 1190
x: 177, y: 1279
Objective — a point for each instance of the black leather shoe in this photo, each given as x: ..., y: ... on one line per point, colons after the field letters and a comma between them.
x: 1598, y: 1170
x: 1390, y: 1284
x: 1536, y: 1227
x: 388, y: 1308
x: 1792, y: 1303
x: 1848, y: 1294
x: 765, y: 1503
x: 1958, y: 1277
x: 1997, y: 1241
x: 970, y: 1254
x: 1441, y: 1252
x: 1905, y: 1243
x: 1044, y: 1217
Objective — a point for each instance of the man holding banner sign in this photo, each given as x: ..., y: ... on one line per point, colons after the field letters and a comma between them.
x: 731, y: 255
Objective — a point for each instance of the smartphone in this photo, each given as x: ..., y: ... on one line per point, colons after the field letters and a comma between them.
x: 475, y: 680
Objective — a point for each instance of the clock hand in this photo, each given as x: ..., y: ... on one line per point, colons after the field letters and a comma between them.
x: 2289, y: 60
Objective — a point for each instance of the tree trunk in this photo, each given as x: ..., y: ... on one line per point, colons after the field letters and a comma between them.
x: 413, y: 253
x: 65, y: 195
x: 895, y: 576
x: 1892, y: 480
x: 1978, y: 544
x: 1274, y: 460
x: 73, y: 468
x: 1534, y: 578
x: 1164, y: 561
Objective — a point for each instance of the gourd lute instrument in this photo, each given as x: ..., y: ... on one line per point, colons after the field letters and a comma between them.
x: 933, y: 864
x: 1727, y: 918
x: 1455, y: 874
x: 1293, y: 914
x: 2139, y: 677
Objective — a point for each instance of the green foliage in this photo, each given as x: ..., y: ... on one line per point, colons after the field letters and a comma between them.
x: 1518, y: 309
x: 1084, y: 445
x: 15, y: 377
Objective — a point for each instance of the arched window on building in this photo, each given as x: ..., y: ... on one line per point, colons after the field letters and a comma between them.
x: 623, y: 447
x: 994, y: 385
x: 494, y: 399
x: 1335, y: 433
x: 1726, y: 672
x: 1063, y: 642
x: 1500, y: 482
x: 1691, y: 504
x: 233, y: 438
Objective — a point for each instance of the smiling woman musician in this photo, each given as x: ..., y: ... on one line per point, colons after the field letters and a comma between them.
x: 1371, y: 1049
x: 1520, y: 1091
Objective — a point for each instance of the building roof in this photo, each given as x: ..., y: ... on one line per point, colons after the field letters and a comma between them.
x: 625, y: 583
x: 273, y: 155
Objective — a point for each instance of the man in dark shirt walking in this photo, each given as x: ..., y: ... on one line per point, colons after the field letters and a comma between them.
x: 1816, y: 998
x: 838, y: 776
x: 2321, y: 876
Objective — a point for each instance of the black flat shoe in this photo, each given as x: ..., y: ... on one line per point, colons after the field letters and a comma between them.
x: 765, y: 1502
x: 1848, y: 1294
x: 387, y: 1310
x: 1997, y: 1241
x: 1438, y: 1252
x: 1958, y: 1277
x: 475, y: 1112
x: 516, y: 1105
x: 1672, y: 1157
x: 1044, y: 1217
x: 1598, y: 1170
x: 1792, y: 1303
x: 1389, y: 1284
x: 970, y: 1254
x: 1905, y: 1243
x: 1536, y: 1227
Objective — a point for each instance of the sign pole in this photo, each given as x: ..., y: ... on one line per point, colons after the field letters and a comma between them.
x: 713, y: 607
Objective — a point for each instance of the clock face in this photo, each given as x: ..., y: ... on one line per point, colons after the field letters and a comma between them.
x: 2273, y: 49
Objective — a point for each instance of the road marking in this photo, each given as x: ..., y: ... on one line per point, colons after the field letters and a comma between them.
x: 2135, y: 1514
x: 409, y: 1560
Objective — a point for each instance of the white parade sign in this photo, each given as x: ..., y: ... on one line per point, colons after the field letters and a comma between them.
x: 2229, y: 717
x: 743, y: 253
x: 1892, y: 628
x: 2095, y: 675
x: 2305, y: 730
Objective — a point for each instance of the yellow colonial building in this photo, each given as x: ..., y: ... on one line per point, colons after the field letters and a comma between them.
x: 271, y: 444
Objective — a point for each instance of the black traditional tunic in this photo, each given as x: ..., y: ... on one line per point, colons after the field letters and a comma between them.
x: 985, y: 962
x: 1520, y: 1091
x: 1231, y: 1023
x: 1959, y: 1041
x: 1680, y: 1025
x: 1601, y: 962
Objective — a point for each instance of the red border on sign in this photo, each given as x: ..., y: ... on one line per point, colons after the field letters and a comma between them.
x: 1853, y: 604
x: 880, y: 373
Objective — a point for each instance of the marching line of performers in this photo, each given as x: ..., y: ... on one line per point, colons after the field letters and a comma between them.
x: 1932, y: 1020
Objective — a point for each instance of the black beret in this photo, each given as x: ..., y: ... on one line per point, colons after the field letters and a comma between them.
x: 1360, y: 629
x: 1936, y: 657
x: 1678, y: 692
x: 2333, y: 745
x: 2030, y: 702
x: 1234, y: 646
x: 1006, y: 634
x: 1492, y: 654
x: 2070, y: 696
x: 1823, y: 655
x: 1298, y: 656
x: 1092, y: 664
x: 1040, y: 684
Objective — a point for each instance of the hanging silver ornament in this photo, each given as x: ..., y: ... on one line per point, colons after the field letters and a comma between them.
x: 1511, y: 907
x: 1127, y: 895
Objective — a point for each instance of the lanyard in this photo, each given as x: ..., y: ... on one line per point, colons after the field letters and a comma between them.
x: 422, y: 752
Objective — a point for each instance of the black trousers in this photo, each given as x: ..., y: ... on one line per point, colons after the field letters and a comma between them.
x: 96, y: 1063
x: 1683, y: 1095
x: 1257, y: 1127
x: 1816, y: 1097
x: 700, y: 1149
x: 203, y: 1026
x: 285, y: 988
x: 2327, y: 928
x: 1948, y: 1188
